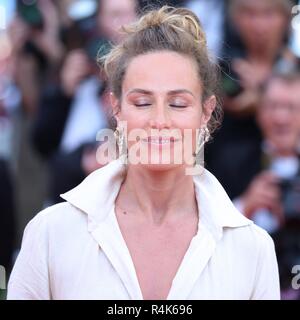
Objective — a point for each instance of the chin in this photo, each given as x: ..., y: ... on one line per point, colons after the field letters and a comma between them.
x: 161, y: 167
x: 285, y: 149
x: 285, y: 143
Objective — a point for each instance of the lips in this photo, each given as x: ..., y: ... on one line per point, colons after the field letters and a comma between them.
x: 160, y: 140
x: 283, y: 131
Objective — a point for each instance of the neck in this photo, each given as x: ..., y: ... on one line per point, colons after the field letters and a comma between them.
x: 157, y: 195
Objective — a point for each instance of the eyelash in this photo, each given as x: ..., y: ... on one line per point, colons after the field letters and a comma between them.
x: 178, y: 106
x: 142, y: 105
x: 171, y: 105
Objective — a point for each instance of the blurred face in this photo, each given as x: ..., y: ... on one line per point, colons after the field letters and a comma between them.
x: 113, y: 14
x: 260, y: 22
x: 162, y: 96
x: 279, y: 115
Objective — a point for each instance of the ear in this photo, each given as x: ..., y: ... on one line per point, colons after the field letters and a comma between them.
x: 115, y: 103
x: 208, y: 108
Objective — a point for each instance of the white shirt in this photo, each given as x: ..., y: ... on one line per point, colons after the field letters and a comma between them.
x: 75, y: 250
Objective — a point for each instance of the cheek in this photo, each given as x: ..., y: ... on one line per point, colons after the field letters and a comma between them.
x: 277, y: 24
x: 269, y: 126
x: 133, y: 118
x: 135, y: 123
x: 297, y: 119
x: 192, y: 119
x: 296, y: 125
x: 245, y: 26
x: 264, y: 120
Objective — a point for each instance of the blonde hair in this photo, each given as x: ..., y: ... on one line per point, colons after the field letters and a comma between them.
x: 167, y: 28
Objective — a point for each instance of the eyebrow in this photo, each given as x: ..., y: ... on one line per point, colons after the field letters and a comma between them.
x: 170, y: 93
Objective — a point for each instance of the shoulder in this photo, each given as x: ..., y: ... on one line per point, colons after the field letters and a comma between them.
x: 250, y: 254
x: 258, y: 236
x: 250, y: 247
x: 48, y: 235
x: 251, y: 243
x: 58, y: 219
x: 261, y: 258
x: 57, y: 231
x: 57, y: 213
x: 262, y: 242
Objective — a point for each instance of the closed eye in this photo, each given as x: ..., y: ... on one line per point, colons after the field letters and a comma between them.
x: 177, y: 106
x: 142, y: 105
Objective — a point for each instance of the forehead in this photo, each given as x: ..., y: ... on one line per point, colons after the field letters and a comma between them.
x: 256, y: 5
x: 283, y: 89
x: 162, y: 71
x: 116, y: 5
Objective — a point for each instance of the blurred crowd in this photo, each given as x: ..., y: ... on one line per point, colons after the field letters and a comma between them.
x: 54, y: 99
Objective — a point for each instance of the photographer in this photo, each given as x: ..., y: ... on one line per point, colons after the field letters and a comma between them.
x: 72, y: 112
x: 279, y: 120
x: 272, y: 197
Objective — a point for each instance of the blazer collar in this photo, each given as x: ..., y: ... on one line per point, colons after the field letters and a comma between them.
x: 97, y: 193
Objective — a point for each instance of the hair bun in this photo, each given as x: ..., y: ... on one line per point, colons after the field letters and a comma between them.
x: 180, y: 19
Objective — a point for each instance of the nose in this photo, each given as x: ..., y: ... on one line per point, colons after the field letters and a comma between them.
x: 260, y: 25
x: 281, y: 115
x: 160, y: 117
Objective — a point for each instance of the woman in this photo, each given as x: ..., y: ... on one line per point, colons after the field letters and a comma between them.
x: 149, y: 230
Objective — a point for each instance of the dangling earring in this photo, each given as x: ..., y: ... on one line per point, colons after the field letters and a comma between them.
x: 120, y: 139
x: 203, y: 137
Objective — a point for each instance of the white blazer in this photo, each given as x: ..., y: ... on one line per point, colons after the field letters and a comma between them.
x: 75, y: 250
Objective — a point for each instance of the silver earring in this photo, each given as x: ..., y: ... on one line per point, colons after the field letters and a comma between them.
x: 120, y: 139
x: 203, y: 137
x: 206, y: 134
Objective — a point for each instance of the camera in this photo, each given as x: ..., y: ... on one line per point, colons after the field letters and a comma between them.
x: 287, y: 238
x: 290, y: 197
